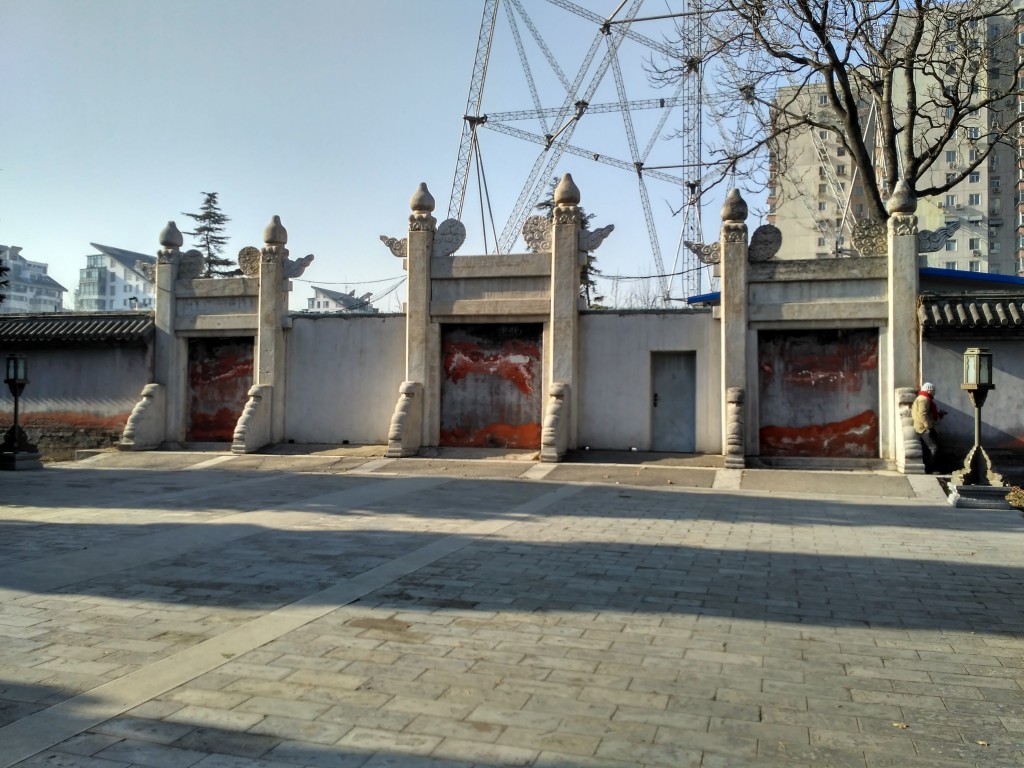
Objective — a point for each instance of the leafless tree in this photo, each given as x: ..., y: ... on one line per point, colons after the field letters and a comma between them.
x: 899, y: 81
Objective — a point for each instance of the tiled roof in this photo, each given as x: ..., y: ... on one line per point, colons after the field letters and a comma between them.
x: 76, y: 327
x: 988, y: 313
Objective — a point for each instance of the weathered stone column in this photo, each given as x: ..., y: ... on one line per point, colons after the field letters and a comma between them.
x: 168, y: 363
x: 422, y: 337
x: 270, y: 360
x: 734, y: 328
x: 903, y: 343
x: 562, y: 353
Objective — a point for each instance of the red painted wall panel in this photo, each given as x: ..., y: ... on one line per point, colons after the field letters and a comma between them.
x: 819, y: 393
x: 491, y: 385
x: 219, y: 375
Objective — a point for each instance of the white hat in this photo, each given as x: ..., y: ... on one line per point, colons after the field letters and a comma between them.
x: 928, y: 387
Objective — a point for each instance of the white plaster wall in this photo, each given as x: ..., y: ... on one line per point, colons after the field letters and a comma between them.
x: 81, y: 386
x: 343, y: 377
x: 615, y: 375
x: 1002, y: 417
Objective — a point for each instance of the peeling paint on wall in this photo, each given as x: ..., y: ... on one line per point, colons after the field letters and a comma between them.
x: 220, y: 373
x: 491, y: 385
x: 819, y: 393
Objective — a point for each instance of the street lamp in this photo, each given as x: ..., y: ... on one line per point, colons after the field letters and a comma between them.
x: 977, y: 469
x: 17, y: 378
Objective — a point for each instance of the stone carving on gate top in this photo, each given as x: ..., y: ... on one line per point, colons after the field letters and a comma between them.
x: 869, y: 238
x: 295, y: 267
x: 929, y: 241
x: 537, y: 234
x: 764, y: 243
x: 707, y: 253
x: 146, y: 270
x: 191, y: 264
x: 399, y: 248
x: 449, y: 238
x: 591, y: 240
x: 249, y: 261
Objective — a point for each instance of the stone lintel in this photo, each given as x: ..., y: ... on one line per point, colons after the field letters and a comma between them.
x: 208, y: 287
x: 503, y: 265
x: 244, y: 323
x: 480, y: 308
x: 856, y: 309
x: 819, y: 269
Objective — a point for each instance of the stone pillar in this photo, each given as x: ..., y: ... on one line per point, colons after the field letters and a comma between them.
x: 169, y: 363
x: 562, y: 353
x: 270, y: 360
x: 423, y: 337
x: 734, y: 328
x: 902, y: 353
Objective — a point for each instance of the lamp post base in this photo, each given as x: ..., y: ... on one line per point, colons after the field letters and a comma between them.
x: 977, y: 470
x: 10, y: 462
x: 980, y: 497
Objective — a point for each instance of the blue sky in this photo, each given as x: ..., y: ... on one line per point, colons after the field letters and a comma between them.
x: 119, y: 113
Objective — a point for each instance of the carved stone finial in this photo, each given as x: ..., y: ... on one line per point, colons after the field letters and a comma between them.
x: 902, y: 199
x: 275, y: 233
x: 170, y: 237
x: 567, y: 193
x: 735, y: 207
x: 422, y: 201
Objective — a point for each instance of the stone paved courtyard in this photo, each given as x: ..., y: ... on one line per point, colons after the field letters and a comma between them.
x: 183, y: 610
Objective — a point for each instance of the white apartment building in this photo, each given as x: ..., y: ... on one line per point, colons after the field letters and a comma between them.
x: 30, y: 289
x: 816, y: 198
x: 326, y: 300
x: 115, y: 280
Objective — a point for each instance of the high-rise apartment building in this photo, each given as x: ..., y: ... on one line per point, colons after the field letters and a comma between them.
x: 30, y: 289
x: 113, y: 280
x: 816, y: 196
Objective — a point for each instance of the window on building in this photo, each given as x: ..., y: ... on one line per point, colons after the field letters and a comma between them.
x: 822, y: 99
x: 950, y: 201
x: 974, y: 265
x: 951, y: 156
x: 841, y: 152
x: 821, y: 171
x: 951, y: 245
x: 974, y: 133
x: 972, y: 155
x: 823, y: 189
x: 950, y: 265
x: 975, y: 177
x: 993, y: 247
x: 840, y: 170
x: 823, y: 134
x: 950, y: 177
x: 974, y: 198
x: 822, y: 205
x: 821, y: 242
x: 993, y: 184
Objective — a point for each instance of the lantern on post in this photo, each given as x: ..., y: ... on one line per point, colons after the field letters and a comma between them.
x: 977, y: 469
x: 16, y: 379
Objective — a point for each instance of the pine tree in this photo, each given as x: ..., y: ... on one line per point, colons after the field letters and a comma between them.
x: 209, y: 237
x: 588, y: 285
